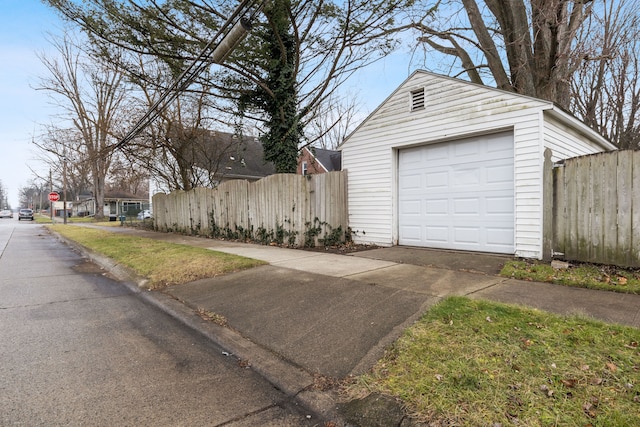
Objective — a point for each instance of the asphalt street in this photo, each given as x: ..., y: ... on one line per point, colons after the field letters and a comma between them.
x: 80, y: 348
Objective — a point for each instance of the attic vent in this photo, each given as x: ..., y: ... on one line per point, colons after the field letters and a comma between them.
x: 417, y: 99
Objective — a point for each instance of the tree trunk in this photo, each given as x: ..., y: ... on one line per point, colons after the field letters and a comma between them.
x: 98, y: 192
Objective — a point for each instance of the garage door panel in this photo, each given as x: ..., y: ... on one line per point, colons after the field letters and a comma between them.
x: 467, y: 206
x: 499, y: 206
x: 466, y: 195
x: 437, y: 180
x: 438, y: 152
x: 466, y: 235
x: 411, y: 234
x: 500, y: 237
x: 437, y: 235
x: 500, y: 174
x: 465, y: 149
x: 411, y: 181
x: 412, y: 156
x: 411, y: 207
x: 437, y: 207
x: 467, y: 177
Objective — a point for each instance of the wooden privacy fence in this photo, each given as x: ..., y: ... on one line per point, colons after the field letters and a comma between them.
x: 284, y: 208
x: 596, y: 208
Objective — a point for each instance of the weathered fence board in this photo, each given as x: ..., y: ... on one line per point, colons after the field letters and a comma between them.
x: 610, y: 239
x: 281, y: 207
x: 597, y: 208
x: 559, y: 218
x: 597, y: 230
x: 635, y: 216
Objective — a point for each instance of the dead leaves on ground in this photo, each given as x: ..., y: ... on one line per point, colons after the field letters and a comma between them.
x: 210, y: 316
x: 568, y: 378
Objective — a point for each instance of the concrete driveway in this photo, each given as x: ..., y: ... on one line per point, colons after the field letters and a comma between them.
x: 473, y: 262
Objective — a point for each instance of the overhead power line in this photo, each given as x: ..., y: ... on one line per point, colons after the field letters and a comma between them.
x: 233, y: 35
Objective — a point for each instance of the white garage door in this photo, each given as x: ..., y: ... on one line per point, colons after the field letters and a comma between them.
x: 458, y: 195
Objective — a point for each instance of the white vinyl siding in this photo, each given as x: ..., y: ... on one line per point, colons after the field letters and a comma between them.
x: 565, y: 142
x: 453, y: 110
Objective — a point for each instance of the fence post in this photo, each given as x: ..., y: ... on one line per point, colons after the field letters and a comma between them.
x: 547, y: 206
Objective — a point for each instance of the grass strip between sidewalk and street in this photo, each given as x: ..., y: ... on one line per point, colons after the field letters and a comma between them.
x: 163, y: 264
x: 478, y: 363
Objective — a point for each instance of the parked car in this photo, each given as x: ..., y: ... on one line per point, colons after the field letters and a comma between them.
x: 25, y: 214
x: 146, y: 214
x: 6, y: 213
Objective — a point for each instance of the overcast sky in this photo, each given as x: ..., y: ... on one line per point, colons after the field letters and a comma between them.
x: 24, y: 25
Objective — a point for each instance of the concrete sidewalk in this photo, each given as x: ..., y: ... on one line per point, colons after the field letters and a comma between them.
x: 334, y: 314
x: 311, y: 314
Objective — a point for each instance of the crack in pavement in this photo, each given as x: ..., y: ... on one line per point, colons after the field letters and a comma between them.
x: 44, y: 304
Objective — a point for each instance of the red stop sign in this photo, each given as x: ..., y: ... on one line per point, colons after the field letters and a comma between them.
x: 54, y: 197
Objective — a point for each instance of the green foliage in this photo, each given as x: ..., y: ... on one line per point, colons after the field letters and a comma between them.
x: 312, y: 231
x: 283, y: 234
x: 478, y: 363
x: 277, y: 96
x: 282, y: 76
x: 332, y: 236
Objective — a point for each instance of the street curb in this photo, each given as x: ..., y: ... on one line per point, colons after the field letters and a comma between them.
x: 291, y: 380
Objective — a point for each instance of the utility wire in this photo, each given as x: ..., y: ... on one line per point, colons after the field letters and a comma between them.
x: 234, y: 34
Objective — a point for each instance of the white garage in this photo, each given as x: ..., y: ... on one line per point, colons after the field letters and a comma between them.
x: 449, y: 164
x: 458, y: 195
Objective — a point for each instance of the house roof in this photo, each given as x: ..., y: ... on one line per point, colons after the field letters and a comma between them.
x: 546, y: 106
x: 228, y: 155
x: 117, y: 194
x: 330, y: 160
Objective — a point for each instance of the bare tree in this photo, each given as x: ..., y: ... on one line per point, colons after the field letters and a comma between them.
x: 178, y: 150
x: 326, y: 42
x: 526, y: 46
x: 4, y: 202
x: 579, y: 54
x: 606, y: 89
x: 58, y: 146
x: 127, y: 176
x: 333, y: 121
x: 91, y: 94
x: 35, y: 195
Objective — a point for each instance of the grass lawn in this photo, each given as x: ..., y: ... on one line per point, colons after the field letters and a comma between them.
x: 590, y: 276
x: 44, y: 219
x: 164, y: 264
x: 478, y: 363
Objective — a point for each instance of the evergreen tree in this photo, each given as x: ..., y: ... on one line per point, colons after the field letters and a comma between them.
x: 278, y: 98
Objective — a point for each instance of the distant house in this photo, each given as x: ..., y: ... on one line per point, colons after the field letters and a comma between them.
x: 444, y: 163
x: 314, y: 160
x: 116, y: 203
x: 214, y: 157
x: 58, y: 208
x: 224, y: 156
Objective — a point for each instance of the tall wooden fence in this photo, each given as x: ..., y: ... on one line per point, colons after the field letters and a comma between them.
x: 596, y: 208
x: 286, y: 208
